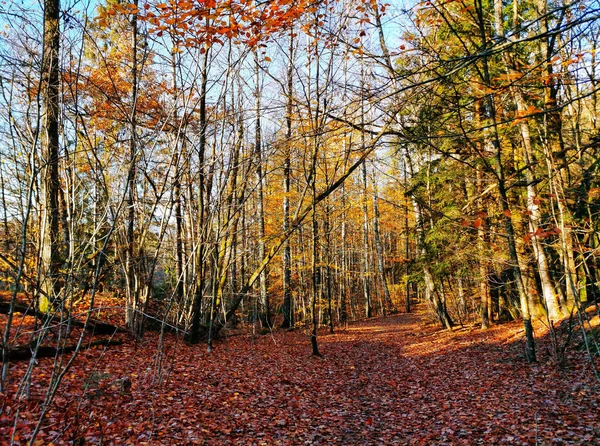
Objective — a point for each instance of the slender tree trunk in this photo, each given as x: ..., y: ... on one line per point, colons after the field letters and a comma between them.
x: 287, y: 257
x: 406, y: 238
x: 462, y: 303
x: 213, y: 299
x: 344, y: 285
x: 315, y: 280
x: 327, y: 259
x: 484, y: 288
x: 265, y: 311
x: 365, y: 208
x: 315, y: 269
x: 181, y: 159
x: 202, y: 217
x: 50, y: 182
x: 7, y: 236
x: 312, y: 180
x: 365, y: 230
x: 132, y: 278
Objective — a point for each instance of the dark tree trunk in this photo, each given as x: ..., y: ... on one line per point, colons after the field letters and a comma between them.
x: 195, y: 330
x: 287, y: 256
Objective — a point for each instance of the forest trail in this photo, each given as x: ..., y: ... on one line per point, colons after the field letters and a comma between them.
x: 383, y: 381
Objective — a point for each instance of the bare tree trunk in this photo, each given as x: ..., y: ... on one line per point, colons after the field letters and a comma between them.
x: 287, y: 256
x: 265, y: 311
x: 50, y: 256
x: 180, y: 162
x: 365, y: 230
x: 327, y: 260
x: 132, y: 278
x: 462, y: 303
x: 484, y: 288
x: 202, y: 213
x: 7, y: 234
x: 315, y: 116
x: 316, y: 276
x: 406, y: 238
x: 344, y: 285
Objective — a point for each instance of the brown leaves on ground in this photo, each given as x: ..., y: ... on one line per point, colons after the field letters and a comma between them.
x: 385, y: 381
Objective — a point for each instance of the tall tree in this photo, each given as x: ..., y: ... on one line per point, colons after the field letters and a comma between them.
x: 50, y: 255
x: 287, y: 256
x: 265, y: 307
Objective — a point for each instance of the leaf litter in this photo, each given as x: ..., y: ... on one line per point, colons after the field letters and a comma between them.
x: 393, y: 380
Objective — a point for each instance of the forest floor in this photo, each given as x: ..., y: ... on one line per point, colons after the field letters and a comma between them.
x: 388, y: 381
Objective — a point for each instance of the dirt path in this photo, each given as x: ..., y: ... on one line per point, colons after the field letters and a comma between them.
x: 385, y: 381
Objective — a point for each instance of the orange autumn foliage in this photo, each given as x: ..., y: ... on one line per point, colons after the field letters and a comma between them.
x: 202, y: 23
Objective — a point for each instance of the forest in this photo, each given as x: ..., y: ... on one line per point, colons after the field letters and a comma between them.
x: 300, y: 222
